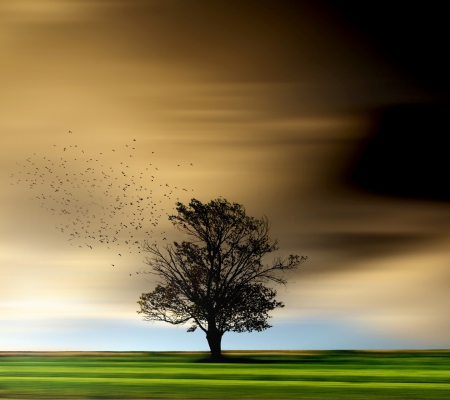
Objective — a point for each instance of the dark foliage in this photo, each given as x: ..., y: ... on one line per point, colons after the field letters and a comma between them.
x: 218, y: 280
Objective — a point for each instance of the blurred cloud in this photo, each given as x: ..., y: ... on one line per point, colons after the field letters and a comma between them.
x: 273, y: 103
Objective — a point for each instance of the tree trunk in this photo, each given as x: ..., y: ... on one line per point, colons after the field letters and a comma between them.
x: 214, y: 338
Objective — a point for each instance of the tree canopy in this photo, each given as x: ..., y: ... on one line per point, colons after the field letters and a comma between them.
x: 217, y: 280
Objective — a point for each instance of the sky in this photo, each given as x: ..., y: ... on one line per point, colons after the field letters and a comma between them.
x: 316, y: 116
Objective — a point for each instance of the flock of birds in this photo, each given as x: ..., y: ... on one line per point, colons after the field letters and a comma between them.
x: 99, y: 202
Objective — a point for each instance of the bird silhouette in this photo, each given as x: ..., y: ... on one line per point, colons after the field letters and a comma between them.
x: 93, y: 200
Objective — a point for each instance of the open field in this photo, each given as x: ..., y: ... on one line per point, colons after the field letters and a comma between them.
x: 259, y: 374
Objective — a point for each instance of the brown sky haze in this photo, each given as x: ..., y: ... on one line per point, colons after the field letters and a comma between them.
x: 268, y: 101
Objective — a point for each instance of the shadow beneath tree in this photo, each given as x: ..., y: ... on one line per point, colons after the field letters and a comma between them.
x: 247, y: 360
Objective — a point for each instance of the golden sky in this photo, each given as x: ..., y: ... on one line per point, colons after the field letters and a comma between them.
x: 268, y: 103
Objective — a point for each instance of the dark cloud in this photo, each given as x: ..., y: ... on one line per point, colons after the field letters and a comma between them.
x: 406, y: 154
x: 359, y: 247
x: 411, y: 38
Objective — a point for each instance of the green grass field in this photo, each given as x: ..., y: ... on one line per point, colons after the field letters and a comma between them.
x: 283, y: 374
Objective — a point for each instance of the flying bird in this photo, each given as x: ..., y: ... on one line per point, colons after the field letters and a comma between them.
x: 100, y: 205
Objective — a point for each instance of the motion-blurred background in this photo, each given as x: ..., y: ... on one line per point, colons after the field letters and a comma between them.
x: 327, y: 117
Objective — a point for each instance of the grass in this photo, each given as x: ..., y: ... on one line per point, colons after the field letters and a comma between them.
x: 263, y: 374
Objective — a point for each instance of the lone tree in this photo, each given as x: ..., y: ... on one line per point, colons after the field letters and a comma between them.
x: 217, y: 280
